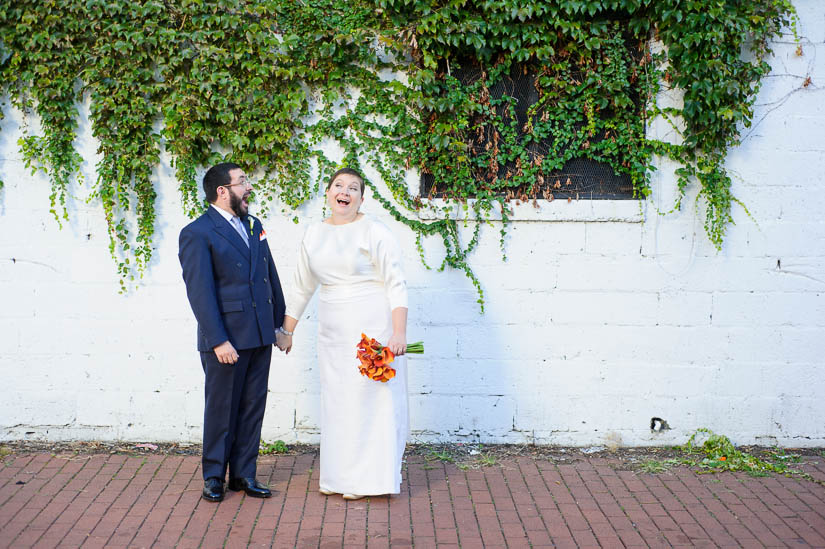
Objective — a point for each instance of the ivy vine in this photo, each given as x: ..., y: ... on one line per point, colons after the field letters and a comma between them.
x: 267, y: 83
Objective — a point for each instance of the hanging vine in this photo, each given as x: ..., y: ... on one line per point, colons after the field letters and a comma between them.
x: 266, y: 83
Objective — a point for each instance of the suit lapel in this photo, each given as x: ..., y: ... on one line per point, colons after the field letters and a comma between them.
x: 254, y: 242
x: 227, y: 231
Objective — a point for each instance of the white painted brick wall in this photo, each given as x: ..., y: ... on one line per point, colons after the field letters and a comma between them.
x: 592, y: 327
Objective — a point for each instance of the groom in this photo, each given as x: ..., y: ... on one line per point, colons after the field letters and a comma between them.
x: 236, y: 296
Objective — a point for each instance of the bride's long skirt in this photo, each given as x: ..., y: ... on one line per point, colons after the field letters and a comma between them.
x: 364, y: 423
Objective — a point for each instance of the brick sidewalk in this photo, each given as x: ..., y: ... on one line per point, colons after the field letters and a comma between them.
x: 154, y: 501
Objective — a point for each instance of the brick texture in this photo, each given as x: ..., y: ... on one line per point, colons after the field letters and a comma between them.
x: 154, y: 501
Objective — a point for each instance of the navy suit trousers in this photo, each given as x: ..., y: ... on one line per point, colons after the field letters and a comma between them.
x: 234, y: 412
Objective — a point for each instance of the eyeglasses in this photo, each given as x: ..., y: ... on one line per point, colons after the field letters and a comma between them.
x: 246, y: 183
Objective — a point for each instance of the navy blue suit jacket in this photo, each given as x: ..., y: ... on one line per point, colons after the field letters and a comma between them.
x: 234, y: 291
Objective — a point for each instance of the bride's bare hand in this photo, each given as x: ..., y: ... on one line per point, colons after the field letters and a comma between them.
x: 398, y: 344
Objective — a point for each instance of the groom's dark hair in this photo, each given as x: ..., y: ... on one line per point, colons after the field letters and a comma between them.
x: 217, y: 176
x: 347, y: 171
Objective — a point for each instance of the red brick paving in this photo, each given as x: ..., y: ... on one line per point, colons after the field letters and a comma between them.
x: 154, y: 501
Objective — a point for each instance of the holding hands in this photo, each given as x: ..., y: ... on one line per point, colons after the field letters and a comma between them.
x: 283, y: 335
x: 283, y: 341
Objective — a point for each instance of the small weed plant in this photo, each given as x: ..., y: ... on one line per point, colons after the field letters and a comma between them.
x: 713, y: 453
x: 277, y: 447
x: 717, y: 453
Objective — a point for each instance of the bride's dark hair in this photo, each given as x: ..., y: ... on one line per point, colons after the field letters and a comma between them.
x: 347, y: 171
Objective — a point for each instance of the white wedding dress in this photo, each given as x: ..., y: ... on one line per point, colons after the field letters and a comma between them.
x: 364, y: 423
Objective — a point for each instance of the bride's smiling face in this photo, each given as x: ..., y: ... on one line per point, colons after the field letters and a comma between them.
x: 344, y: 195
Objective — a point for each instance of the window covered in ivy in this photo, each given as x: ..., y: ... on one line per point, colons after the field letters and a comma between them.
x: 557, y: 130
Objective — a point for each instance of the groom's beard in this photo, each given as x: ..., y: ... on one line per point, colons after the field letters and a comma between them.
x: 237, y: 205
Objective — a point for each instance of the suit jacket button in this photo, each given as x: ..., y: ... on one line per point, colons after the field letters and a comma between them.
x: 253, y: 305
x: 239, y: 265
x: 265, y: 280
x: 269, y: 301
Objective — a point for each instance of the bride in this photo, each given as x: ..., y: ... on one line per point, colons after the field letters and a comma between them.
x: 356, y: 261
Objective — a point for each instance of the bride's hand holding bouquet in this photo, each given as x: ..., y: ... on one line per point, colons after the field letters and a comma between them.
x: 376, y: 358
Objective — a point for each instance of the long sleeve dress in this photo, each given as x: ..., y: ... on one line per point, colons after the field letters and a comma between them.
x: 364, y: 423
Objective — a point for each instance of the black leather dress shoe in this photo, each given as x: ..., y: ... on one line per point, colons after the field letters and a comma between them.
x: 213, y: 489
x: 251, y: 486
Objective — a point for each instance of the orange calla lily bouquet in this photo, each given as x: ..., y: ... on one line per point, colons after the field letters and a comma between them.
x: 376, y: 359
